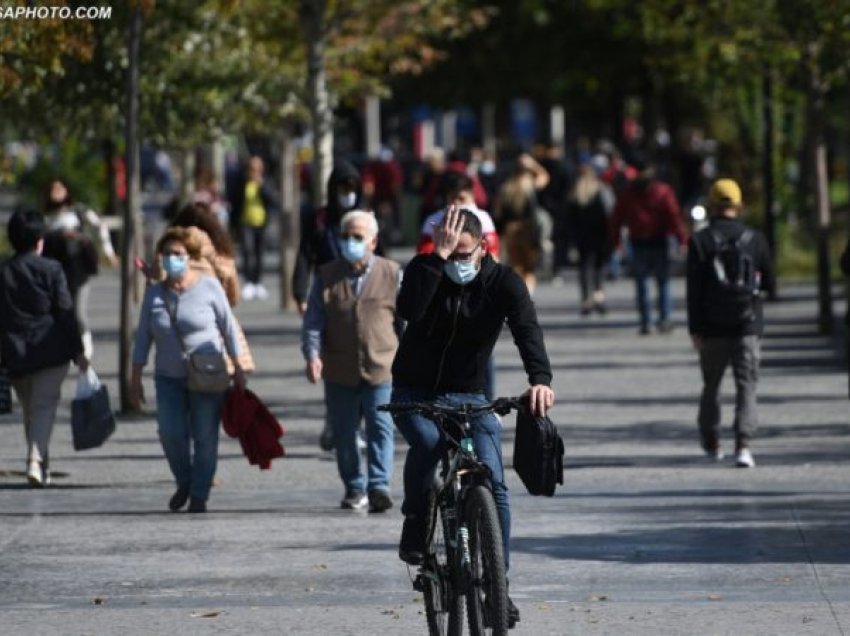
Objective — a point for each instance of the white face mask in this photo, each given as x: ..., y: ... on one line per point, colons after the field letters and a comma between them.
x: 347, y: 201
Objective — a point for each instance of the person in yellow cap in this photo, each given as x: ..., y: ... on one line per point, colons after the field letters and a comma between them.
x: 728, y: 268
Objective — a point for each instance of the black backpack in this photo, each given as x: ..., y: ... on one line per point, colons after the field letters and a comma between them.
x: 538, y: 453
x: 732, y: 281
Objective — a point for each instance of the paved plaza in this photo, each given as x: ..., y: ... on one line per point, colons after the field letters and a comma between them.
x: 645, y: 536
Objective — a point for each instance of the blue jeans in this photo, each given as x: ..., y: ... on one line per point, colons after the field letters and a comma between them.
x: 652, y: 260
x: 188, y: 430
x: 345, y: 406
x: 427, y: 445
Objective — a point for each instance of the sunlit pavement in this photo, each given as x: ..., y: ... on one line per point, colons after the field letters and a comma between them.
x: 645, y: 536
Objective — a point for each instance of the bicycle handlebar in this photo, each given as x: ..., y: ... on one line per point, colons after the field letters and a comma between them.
x: 502, y: 406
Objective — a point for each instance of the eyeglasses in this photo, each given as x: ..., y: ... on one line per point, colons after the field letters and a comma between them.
x: 357, y: 237
x: 464, y: 258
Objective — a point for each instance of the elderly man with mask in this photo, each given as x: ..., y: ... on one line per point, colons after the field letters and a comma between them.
x: 349, y: 339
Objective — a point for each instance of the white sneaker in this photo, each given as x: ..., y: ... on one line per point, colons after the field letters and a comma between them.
x: 35, y: 476
x: 249, y: 292
x: 744, y: 458
x: 261, y: 292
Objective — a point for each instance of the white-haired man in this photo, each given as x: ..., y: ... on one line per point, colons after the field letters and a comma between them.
x: 349, y: 339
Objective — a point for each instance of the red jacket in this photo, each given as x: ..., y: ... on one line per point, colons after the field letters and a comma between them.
x: 651, y: 214
x: 246, y: 417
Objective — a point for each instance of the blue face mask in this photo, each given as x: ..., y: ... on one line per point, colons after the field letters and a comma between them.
x: 175, y: 266
x: 461, y: 272
x: 352, y: 250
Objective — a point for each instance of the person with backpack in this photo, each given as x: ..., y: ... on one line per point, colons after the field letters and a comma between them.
x: 728, y: 268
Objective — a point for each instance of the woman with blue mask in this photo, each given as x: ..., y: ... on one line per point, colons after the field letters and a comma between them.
x: 185, y: 314
x: 349, y: 338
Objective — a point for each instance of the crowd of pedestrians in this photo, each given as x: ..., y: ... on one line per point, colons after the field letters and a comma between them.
x: 373, y: 332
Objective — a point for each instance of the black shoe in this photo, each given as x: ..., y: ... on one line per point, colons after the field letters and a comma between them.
x: 601, y: 308
x: 644, y: 330
x: 513, y: 614
x: 197, y: 505
x: 411, y: 548
x: 353, y: 500
x: 379, y: 501
x: 179, y: 498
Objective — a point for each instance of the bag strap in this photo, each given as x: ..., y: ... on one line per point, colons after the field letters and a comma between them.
x: 172, y: 314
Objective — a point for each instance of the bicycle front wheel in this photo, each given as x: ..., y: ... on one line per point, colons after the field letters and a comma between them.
x: 443, y: 605
x: 487, y: 590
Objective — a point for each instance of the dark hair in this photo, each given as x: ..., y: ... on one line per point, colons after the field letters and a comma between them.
x: 26, y: 229
x: 453, y: 182
x: 69, y: 197
x: 200, y: 216
x: 471, y: 223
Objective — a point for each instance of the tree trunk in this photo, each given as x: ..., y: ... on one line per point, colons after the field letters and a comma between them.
x: 767, y: 163
x: 289, y: 225
x: 825, y: 317
x: 107, y: 146
x: 818, y: 169
x: 312, y: 17
x: 131, y: 211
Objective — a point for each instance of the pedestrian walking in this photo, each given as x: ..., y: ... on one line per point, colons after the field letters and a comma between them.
x: 728, y: 269
x: 349, y: 339
x: 76, y: 237
x: 320, y: 243
x: 845, y: 268
x: 217, y: 259
x: 39, y: 335
x: 187, y: 318
x: 519, y: 220
x: 587, y: 214
x: 254, y: 202
x: 648, y: 208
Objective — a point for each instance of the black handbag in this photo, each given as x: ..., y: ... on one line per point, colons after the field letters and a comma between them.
x: 92, y: 419
x: 5, y: 392
x: 538, y: 453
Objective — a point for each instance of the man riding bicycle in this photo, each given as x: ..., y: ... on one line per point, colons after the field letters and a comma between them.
x: 455, y: 302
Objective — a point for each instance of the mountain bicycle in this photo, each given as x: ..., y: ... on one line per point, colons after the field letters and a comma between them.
x: 464, y: 561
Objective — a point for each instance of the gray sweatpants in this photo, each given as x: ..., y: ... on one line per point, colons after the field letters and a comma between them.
x: 715, y: 355
x: 39, y: 395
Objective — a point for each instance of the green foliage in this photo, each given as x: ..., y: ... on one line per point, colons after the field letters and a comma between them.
x: 82, y: 170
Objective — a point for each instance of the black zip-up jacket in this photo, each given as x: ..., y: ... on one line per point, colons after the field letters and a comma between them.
x: 701, y: 251
x: 452, y: 329
x: 38, y: 326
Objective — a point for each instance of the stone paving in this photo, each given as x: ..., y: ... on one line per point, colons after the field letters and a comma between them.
x: 645, y: 536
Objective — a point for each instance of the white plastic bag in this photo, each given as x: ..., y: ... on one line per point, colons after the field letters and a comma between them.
x: 87, y: 384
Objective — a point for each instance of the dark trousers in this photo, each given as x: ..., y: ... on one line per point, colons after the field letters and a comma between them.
x: 715, y: 355
x: 252, y: 241
x: 591, y: 265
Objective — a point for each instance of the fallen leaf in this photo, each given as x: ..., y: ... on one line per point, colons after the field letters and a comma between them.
x: 213, y: 614
x: 320, y: 567
x: 309, y: 589
x: 544, y: 607
x: 715, y: 597
x: 98, y: 601
x: 598, y: 597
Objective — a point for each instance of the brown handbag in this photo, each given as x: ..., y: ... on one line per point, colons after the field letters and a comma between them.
x: 205, y: 372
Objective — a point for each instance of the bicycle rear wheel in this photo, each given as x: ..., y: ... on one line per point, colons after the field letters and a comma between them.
x: 443, y: 605
x: 487, y: 590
